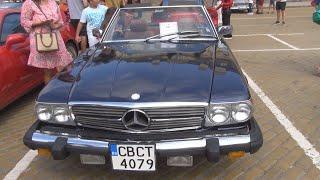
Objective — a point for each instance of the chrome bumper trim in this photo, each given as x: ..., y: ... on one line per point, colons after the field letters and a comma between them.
x: 132, y: 105
x: 163, y: 145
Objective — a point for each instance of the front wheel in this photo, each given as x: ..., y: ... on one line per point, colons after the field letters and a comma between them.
x: 71, y: 48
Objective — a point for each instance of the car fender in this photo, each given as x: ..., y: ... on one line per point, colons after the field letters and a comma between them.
x: 229, y: 83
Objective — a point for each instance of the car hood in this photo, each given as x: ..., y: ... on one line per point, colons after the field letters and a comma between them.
x: 116, y: 72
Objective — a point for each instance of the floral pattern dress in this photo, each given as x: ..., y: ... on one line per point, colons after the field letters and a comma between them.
x: 31, y: 13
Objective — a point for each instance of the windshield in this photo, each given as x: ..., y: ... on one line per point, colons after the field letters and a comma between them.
x: 142, y: 23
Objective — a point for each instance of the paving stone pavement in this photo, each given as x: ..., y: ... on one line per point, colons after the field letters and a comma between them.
x: 285, y: 76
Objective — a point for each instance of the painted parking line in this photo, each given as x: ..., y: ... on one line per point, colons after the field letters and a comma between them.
x: 21, y: 166
x: 252, y: 18
x: 301, y: 140
x: 282, y: 34
x: 272, y: 36
x: 274, y: 50
x: 283, y: 42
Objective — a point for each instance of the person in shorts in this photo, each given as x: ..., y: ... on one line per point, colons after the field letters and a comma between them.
x: 75, y: 9
x: 271, y: 4
x: 281, y: 7
x: 260, y: 6
x: 93, y: 16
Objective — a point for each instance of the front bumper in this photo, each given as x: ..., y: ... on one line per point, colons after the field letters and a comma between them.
x: 212, y: 146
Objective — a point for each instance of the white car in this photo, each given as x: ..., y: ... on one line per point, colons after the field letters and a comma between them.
x: 240, y: 5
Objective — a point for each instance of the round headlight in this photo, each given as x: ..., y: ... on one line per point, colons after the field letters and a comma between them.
x: 241, y: 112
x: 219, y: 114
x: 44, y: 113
x: 61, y: 114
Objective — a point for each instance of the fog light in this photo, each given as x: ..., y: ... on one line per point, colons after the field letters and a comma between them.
x: 44, y: 152
x: 92, y: 159
x: 236, y: 154
x: 180, y: 161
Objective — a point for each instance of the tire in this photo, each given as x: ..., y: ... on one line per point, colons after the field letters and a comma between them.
x: 71, y: 48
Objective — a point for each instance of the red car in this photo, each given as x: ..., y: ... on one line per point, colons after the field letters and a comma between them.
x: 211, y: 10
x: 16, y: 77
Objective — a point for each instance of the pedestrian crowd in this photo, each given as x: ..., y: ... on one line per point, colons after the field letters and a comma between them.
x: 274, y: 5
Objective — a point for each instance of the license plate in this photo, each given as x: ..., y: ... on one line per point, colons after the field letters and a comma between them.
x: 133, y: 157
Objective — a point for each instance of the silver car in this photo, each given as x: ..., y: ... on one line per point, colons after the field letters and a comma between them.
x: 240, y: 5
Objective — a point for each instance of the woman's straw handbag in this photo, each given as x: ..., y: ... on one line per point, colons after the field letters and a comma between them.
x: 46, y: 42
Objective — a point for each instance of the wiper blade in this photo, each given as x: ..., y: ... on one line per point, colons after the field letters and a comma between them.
x: 198, y: 36
x: 171, y: 34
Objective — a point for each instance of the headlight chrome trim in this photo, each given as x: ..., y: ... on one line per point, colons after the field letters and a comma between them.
x: 232, y: 108
x: 60, y: 113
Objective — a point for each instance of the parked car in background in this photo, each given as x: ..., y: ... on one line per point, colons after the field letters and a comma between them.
x: 211, y: 9
x: 149, y: 89
x: 16, y: 77
x: 240, y: 5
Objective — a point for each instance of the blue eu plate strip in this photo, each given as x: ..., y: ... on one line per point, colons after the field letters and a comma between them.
x: 113, y: 149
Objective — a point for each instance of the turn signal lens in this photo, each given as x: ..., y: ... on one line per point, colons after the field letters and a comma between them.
x: 44, y: 152
x: 236, y: 154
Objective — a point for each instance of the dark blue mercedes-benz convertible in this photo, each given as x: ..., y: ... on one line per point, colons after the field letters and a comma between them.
x: 161, y: 83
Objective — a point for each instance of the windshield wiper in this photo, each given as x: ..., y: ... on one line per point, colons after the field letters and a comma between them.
x: 182, y: 35
x: 171, y: 34
x: 197, y: 36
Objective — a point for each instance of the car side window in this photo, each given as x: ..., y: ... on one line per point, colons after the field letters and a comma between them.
x: 11, y: 25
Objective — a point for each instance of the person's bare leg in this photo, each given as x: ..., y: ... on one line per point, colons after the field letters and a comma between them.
x: 83, y: 43
x: 47, y: 75
x: 283, y: 16
x: 278, y: 16
x: 59, y: 69
x: 273, y: 8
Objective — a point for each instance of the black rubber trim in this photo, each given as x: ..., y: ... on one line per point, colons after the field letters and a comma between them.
x: 85, y: 150
x: 59, y: 149
x: 213, y: 150
x: 185, y: 152
x: 256, y: 137
x: 27, y: 138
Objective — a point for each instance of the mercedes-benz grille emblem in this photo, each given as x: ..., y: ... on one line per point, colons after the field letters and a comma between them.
x: 135, y: 96
x: 136, y: 120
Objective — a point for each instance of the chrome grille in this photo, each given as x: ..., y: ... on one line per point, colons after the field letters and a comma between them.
x: 162, y: 119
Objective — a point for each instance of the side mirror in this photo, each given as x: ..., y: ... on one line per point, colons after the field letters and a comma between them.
x: 14, y: 39
x: 97, y: 32
x: 225, y: 30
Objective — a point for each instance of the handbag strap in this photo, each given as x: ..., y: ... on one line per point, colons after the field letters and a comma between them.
x: 40, y: 9
x: 38, y: 5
